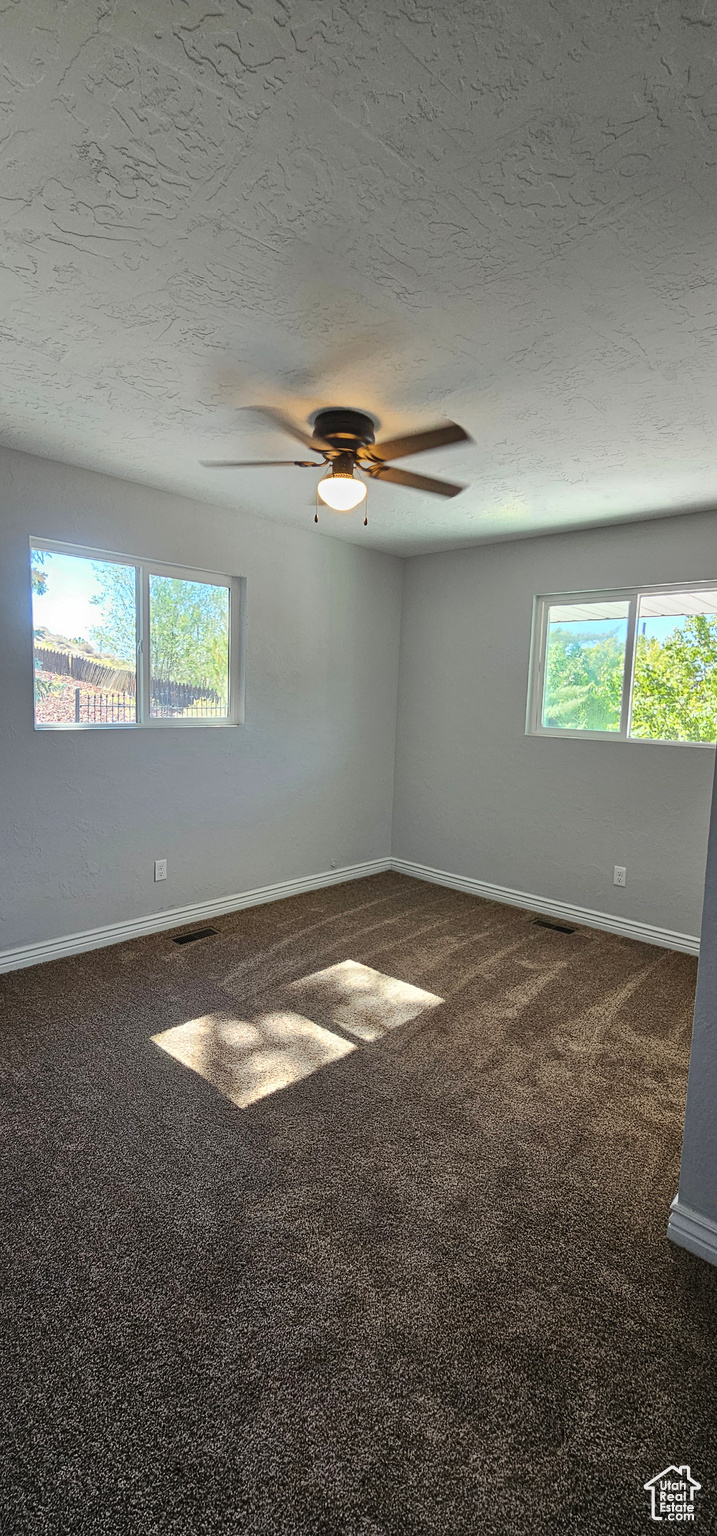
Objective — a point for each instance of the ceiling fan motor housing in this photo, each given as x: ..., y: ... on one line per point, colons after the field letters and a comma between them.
x: 347, y: 431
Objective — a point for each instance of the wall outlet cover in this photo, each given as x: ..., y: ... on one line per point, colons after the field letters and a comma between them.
x: 619, y: 875
x: 160, y: 869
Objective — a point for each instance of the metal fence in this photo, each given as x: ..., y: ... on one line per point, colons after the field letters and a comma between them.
x: 198, y: 709
x: 105, y: 708
x: 120, y: 708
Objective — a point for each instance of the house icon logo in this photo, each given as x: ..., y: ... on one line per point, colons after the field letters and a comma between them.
x: 672, y: 1495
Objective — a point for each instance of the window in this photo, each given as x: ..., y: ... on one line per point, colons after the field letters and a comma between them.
x: 629, y: 665
x: 118, y: 642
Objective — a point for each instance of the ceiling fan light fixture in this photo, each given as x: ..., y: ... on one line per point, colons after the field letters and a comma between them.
x: 341, y: 491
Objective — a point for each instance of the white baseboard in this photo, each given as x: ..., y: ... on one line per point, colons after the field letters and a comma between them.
x: 627, y: 927
x: 690, y: 1230
x: 179, y: 917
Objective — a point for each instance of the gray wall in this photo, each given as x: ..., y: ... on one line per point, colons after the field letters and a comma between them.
x: 477, y: 797
x: 307, y: 781
x: 698, y: 1174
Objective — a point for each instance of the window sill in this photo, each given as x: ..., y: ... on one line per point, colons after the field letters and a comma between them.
x: 614, y: 736
x: 135, y: 725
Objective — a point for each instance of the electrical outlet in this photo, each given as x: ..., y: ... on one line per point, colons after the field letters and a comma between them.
x: 619, y: 876
x: 160, y: 869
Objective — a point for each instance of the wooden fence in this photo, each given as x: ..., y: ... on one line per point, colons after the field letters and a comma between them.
x: 85, y: 670
x: 165, y: 693
x: 174, y: 697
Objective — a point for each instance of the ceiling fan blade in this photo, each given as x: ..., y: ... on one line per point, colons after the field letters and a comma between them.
x: 418, y: 442
x: 259, y: 463
x: 414, y: 482
x: 285, y: 424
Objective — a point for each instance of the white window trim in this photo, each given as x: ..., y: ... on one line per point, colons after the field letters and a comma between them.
x: 145, y: 568
x: 536, y: 672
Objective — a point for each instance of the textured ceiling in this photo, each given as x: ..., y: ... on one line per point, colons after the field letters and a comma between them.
x: 500, y: 213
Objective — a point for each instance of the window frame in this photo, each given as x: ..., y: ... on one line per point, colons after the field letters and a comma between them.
x: 536, y: 671
x: 144, y: 568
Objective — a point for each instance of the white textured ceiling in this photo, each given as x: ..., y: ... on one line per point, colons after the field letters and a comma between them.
x: 501, y: 213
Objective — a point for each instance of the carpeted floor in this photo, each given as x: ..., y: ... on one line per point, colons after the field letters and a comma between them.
x: 302, y: 1246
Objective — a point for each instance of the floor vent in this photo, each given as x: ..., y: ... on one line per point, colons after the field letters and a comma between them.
x: 191, y: 938
x: 543, y: 922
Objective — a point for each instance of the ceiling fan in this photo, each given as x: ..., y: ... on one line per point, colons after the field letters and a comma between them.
x: 345, y: 441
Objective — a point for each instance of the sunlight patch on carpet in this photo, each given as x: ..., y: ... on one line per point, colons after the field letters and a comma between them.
x: 248, y: 1059
x: 363, y: 1002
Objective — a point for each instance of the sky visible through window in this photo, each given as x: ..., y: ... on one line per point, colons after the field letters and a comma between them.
x: 660, y: 628
x: 65, y: 607
x: 602, y: 629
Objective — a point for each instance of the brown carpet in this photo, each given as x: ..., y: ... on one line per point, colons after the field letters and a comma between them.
x: 351, y: 1219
